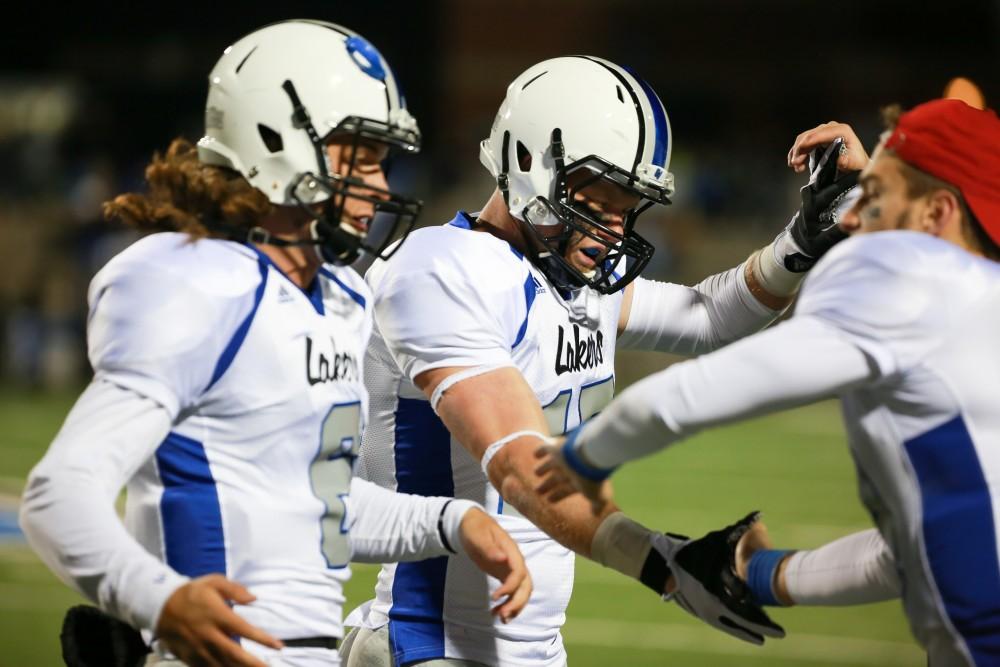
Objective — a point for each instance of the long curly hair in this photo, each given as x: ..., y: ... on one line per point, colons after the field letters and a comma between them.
x: 184, y: 194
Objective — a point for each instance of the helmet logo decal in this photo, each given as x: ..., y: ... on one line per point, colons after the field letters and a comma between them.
x: 365, y: 56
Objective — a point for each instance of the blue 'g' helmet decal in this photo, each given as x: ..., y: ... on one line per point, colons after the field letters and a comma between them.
x: 366, y: 56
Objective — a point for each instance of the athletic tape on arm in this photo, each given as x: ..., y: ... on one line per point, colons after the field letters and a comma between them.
x: 453, y: 379
x: 492, y: 450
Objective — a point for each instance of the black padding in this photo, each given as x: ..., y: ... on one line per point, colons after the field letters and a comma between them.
x: 91, y: 638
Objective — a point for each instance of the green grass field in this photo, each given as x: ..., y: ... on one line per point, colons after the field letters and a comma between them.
x: 794, y: 467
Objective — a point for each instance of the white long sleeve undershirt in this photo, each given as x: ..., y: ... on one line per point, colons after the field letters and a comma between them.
x: 391, y: 527
x: 856, y: 569
x: 797, y: 362
x: 692, y: 320
x: 68, y: 510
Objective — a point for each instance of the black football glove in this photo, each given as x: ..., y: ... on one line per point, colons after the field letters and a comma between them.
x: 815, y: 228
x: 707, y: 584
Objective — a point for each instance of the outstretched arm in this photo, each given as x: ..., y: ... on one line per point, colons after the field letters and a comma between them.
x: 735, y: 303
x: 795, y: 363
x: 856, y: 569
x: 504, y: 438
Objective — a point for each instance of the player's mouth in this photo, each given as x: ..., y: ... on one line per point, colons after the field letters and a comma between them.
x: 589, y: 257
x: 355, y: 225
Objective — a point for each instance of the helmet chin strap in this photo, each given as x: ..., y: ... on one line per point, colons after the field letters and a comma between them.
x: 332, y: 244
x: 335, y: 244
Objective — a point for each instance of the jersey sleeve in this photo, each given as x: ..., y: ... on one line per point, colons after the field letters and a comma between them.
x: 869, y: 288
x: 458, y: 307
x: 693, y: 320
x: 856, y: 569
x: 390, y: 527
x: 153, y: 330
x: 68, y: 509
x: 794, y: 363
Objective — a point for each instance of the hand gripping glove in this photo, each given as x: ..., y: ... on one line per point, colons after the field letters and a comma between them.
x: 828, y: 194
x: 707, y: 584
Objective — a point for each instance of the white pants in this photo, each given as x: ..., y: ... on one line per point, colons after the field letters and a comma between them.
x: 364, y: 647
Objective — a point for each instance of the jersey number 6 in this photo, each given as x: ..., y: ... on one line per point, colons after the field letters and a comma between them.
x: 330, y: 475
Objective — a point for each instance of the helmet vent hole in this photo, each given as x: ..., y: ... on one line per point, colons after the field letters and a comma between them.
x: 523, y: 157
x: 621, y: 98
x: 272, y: 140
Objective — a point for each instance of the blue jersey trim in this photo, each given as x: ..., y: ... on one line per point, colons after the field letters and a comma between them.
x: 461, y: 220
x: 313, y: 292
x: 530, y: 289
x: 660, y: 134
x: 193, y: 539
x: 358, y: 299
x: 959, y: 534
x: 423, y: 466
x: 229, y: 353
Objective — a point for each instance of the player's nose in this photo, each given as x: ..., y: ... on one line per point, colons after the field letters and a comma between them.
x: 850, y: 220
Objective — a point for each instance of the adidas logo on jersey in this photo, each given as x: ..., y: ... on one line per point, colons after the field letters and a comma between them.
x: 539, y: 288
x: 284, y: 296
x: 580, y: 353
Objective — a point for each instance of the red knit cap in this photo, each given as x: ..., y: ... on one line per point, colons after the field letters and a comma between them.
x: 960, y: 145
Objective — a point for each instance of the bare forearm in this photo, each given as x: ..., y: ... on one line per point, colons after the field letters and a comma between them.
x: 571, y: 521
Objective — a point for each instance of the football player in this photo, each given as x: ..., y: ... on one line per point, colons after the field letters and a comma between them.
x: 500, y: 328
x: 228, y: 395
x: 900, y: 322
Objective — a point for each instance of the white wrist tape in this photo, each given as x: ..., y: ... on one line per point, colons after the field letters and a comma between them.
x: 453, y: 379
x: 622, y: 544
x: 492, y: 450
x: 770, y: 270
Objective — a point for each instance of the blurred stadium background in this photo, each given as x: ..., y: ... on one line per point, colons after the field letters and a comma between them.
x: 89, y: 91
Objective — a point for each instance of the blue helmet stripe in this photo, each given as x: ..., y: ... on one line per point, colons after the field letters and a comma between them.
x: 661, y: 135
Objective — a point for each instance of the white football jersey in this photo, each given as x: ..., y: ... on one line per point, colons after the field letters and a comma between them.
x: 265, y: 382
x: 456, y: 297
x: 925, y: 433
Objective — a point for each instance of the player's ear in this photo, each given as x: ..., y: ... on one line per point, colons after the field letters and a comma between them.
x: 941, y: 214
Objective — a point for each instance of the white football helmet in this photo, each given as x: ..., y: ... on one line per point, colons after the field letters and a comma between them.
x: 580, y: 113
x: 277, y: 95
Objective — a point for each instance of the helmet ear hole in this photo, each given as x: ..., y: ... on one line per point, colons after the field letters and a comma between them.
x: 272, y: 140
x: 523, y: 157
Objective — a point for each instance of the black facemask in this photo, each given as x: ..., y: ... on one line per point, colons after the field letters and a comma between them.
x: 396, y: 214
x: 625, y: 254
